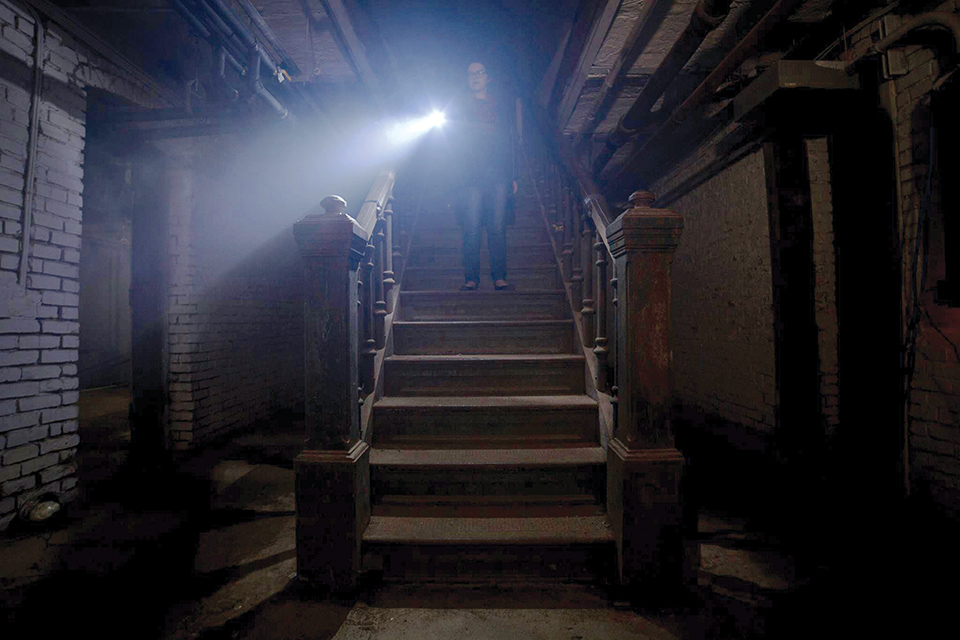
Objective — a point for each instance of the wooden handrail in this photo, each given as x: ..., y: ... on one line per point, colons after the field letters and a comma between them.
x: 376, y: 200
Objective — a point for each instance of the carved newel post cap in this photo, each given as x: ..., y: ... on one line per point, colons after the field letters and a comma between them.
x: 642, y: 199
x: 333, y: 205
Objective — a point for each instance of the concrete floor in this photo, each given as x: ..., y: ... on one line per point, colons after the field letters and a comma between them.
x: 205, y: 548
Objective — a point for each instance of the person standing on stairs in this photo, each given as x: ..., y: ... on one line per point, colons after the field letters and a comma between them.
x: 486, y: 144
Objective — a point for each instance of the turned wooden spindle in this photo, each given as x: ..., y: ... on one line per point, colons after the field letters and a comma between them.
x: 568, y: 235
x: 389, y: 275
x: 587, y: 310
x: 380, y: 304
x: 396, y: 230
x: 600, y: 343
x: 368, y: 344
x: 576, y: 279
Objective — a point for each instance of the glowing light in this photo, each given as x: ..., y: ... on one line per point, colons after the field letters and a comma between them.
x: 400, y: 133
x: 436, y: 119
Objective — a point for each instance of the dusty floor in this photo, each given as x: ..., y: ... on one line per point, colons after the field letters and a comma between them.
x: 206, y: 549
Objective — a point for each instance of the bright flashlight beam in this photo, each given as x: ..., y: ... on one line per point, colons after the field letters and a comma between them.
x: 406, y: 132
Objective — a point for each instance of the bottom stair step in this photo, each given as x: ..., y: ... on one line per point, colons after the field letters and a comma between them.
x: 472, y: 550
x: 494, y: 531
x: 487, y: 506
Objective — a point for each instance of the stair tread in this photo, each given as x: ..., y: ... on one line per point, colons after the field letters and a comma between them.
x: 459, y: 270
x: 448, y: 403
x: 487, y: 357
x: 482, y: 293
x: 513, y: 531
x: 485, y: 323
x: 542, y: 457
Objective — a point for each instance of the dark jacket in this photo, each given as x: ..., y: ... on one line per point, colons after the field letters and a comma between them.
x: 483, y: 134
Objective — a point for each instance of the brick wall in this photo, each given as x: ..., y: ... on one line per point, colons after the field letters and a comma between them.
x: 39, y: 328
x: 933, y: 417
x: 723, y: 337
x: 235, y: 329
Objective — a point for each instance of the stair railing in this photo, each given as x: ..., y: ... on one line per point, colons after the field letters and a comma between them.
x: 352, y: 269
x: 623, y: 315
x: 577, y: 231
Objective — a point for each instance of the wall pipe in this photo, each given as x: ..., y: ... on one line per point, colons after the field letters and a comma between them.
x: 219, y: 26
x: 613, y: 82
x: 705, y: 90
x: 31, y: 169
x: 257, y: 86
x: 285, y: 60
x: 241, y: 30
x: 218, y: 30
x: 706, y: 16
x: 944, y: 19
x: 191, y: 19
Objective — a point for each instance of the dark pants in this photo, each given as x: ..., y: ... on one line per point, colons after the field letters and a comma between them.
x: 486, y: 206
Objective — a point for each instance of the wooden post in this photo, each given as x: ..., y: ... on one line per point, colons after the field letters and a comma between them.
x: 380, y: 304
x: 332, y: 473
x: 576, y: 280
x: 587, y: 310
x: 644, y: 469
x: 600, y: 343
x: 391, y: 255
x: 568, y: 233
x: 368, y: 343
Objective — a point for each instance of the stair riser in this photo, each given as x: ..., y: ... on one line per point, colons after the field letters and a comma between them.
x: 447, y: 340
x: 524, y: 220
x: 466, y: 482
x: 545, y: 280
x: 453, y: 238
x: 484, y: 306
x: 483, y: 378
x: 464, y: 509
x: 480, y: 428
x: 486, y: 563
x: 517, y: 256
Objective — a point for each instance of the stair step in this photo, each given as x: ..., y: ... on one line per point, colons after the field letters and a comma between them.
x: 450, y: 278
x: 487, y: 506
x: 483, y: 336
x: 517, y: 254
x: 467, y: 473
x: 482, y: 550
x: 494, y: 531
x: 525, y: 219
x: 453, y: 237
x: 470, y: 305
x: 485, y: 422
x: 490, y: 375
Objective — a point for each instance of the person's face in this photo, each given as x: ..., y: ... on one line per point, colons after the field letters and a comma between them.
x: 477, y: 77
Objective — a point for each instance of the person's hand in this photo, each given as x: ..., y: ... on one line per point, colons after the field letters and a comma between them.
x: 515, y: 187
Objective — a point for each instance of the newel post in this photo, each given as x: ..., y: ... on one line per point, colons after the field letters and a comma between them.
x: 645, y: 470
x: 332, y: 473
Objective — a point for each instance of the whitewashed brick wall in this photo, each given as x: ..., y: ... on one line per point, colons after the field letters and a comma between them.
x: 39, y: 327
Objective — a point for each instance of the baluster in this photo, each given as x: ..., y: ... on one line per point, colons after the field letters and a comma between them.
x: 576, y: 280
x: 395, y: 231
x: 368, y: 345
x: 380, y: 305
x: 568, y: 237
x: 389, y: 275
x: 616, y: 333
x: 587, y: 312
x: 600, y: 344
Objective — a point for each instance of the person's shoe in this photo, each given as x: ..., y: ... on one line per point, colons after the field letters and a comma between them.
x: 470, y: 285
x: 503, y: 285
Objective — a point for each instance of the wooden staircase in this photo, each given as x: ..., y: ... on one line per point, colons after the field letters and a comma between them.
x: 486, y: 461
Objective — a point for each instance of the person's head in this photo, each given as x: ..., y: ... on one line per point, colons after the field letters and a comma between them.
x: 478, y: 78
